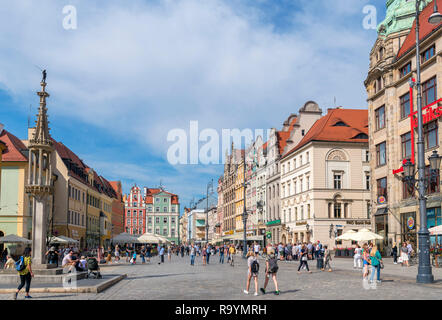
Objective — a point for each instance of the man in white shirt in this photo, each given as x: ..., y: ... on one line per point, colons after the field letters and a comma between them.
x: 256, y: 248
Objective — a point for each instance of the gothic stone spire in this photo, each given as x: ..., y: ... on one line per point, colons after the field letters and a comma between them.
x: 41, y: 135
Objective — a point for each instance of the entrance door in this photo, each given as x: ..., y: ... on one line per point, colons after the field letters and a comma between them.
x: 381, y: 228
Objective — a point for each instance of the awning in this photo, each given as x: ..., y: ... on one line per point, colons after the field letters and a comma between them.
x: 381, y: 211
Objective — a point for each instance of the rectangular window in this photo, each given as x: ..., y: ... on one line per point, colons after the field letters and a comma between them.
x: 405, y: 69
x: 337, y: 210
x: 381, y: 157
x: 367, y: 181
x: 157, y: 209
x: 165, y: 209
x: 165, y: 200
x: 406, y: 145
x: 164, y: 220
x: 149, y: 220
x: 367, y: 155
x: 173, y: 220
x: 405, y: 105
x: 172, y: 233
x: 429, y: 91
x: 407, y: 191
x: 432, y: 182
x: 308, y: 212
x: 173, y: 209
x: 302, y: 212
x: 337, y: 181
x: 380, y: 117
x: 430, y: 135
x: 157, y: 220
x: 382, y: 187
x: 149, y: 230
x: 164, y: 232
x: 157, y: 230
x: 428, y: 54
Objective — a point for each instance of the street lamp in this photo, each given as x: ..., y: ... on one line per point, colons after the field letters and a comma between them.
x: 424, y: 274
x: 209, y: 186
x: 436, y: 17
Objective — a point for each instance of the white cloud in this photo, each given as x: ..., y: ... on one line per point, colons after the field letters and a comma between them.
x: 141, y: 68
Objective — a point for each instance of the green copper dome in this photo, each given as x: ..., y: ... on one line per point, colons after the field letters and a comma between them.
x: 400, y: 16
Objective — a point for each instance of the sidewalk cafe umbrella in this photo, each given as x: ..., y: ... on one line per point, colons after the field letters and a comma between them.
x: 13, y: 238
x: 149, y: 238
x: 124, y: 238
x: 347, y: 236
x: 366, y: 235
x: 63, y: 240
x: 436, y: 230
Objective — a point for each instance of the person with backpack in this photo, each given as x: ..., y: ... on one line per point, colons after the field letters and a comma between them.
x: 232, y: 251
x: 271, y: 270
x: 24, y: 269
x: 221, y: 254
x: 253, y: 265
x: 192, y: 254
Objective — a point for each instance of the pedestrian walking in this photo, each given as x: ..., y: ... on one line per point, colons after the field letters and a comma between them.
x: 271, y: 271
x: 134, y: 257
x: 192, y: 251
x: 24, y: 268
x: 327, y: 259
x: 365, y: 261
x: 376, y: 264
x: 143, y: 254
x: 304, y: 258
x: 221, y: 254
x: 208, y: 252
x: 161, y: 253
x: 404, y: 255
x: 148, y: 252
x: 231, y: 254
x: 204, y: 255
x: 253, y: 269
x: 117, y: 254
x: 169, y: 254
x: 357, y: 257
x: 394, y: 252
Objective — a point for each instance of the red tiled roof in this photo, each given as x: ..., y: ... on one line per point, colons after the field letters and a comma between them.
x: 284, y: 135
x: 324, y: 129
x: 425, y: 30
x: 150, y: 192
x: 14, y: 147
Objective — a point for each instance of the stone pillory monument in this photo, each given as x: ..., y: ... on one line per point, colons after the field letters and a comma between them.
x: 39, y: 184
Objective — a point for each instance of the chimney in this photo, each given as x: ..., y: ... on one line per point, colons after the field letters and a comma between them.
x: 1, y: 128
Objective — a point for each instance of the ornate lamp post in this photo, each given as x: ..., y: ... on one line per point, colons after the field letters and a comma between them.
x: 424, y: 271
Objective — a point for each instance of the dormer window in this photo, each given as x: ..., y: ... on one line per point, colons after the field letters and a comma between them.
x: 360, y: 136
x: 340, y: 124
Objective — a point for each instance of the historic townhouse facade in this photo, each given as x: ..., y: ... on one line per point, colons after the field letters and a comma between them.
x: 325, y: 179
x: 219, y: 210
x: 154, y: 211
x: 395, y: 213
x: 15, y: 205
x: 228, y: 189
x: 294, y: 128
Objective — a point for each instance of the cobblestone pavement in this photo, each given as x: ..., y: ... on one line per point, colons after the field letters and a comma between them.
x: 178, y: 280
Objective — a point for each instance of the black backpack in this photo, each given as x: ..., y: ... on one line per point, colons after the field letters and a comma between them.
x: 273, y: 265
x: 255, y: 266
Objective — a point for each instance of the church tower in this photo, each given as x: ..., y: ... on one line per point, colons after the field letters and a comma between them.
x: 39, y: 184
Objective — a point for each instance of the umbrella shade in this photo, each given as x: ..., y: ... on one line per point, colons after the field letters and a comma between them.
x: 347, y: 236
x: 63, y: 240
x: 366, y: 235
x: 149, y: 238
x: 436, y: 230
x: 13, y: 238
x: 125, y: 238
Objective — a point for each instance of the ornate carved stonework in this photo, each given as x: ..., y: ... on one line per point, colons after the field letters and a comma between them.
x: 337, y: 155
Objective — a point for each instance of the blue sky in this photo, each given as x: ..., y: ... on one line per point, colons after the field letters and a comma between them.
x: 132, y: 71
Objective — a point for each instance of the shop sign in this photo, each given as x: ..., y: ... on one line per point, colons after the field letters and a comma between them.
x: 268, y: 235
x: 410, y: 223
x: 429, y: 114
x: 382, y: 200
x: 356, y: 222
x: 274, y: 222
x: 301, y: 223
